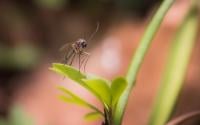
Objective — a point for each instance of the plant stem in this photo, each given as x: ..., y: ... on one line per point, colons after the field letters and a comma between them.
x: 108, y: 117
x: 139, y: 56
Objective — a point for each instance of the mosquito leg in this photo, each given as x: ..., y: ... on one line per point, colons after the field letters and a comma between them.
x: 66, y: 49
x: 83, y: 60
x: 73, y: 57
x: 67, y: 59
x: 68, y: 56
x: 86, y: 59
x: 84, y: 55
x: 79, y: 61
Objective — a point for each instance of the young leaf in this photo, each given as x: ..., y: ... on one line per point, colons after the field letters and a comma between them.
x: 72, y: 98
x: 100, y: 89
x: 72, y: 74
x: 78, y: 77
x: 69, y: 72
x: 93, y: 116
x: 118, y: 86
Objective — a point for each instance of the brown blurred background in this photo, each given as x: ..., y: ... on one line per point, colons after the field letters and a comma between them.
x: 32, y: 31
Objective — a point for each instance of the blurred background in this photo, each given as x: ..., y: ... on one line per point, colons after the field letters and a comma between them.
x: 32, y: 31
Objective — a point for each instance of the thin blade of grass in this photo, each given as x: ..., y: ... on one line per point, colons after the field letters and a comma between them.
x: 139, y: 56
x: 173, y: 78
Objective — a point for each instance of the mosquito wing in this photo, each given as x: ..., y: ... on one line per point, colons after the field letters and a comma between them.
x: 66, y: 52
x: 65, y: 47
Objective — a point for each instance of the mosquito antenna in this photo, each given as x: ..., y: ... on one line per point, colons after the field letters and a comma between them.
x: 92, y: 35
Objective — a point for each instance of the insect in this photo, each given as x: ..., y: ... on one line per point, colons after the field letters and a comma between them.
x: 77, y: 48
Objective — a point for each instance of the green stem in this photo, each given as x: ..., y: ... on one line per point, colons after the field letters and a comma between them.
x: 173, y: 79
x: 139, y: 56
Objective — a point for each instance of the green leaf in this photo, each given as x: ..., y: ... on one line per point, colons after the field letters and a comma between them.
x: 72, y: 98
x: 100, y: 89
x: 93, y: 116
x: 117, y: 88
x: 81, y: 78
x: 69, y: 72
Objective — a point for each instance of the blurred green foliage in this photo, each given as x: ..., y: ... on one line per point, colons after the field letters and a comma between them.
x: 17, y: 117
x: 22, y: 57
x: 39, y: 23
x: 51, y: 4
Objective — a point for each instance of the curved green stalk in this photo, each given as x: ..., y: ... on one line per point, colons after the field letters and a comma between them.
x: 139, y: 56
x: 180, y: 53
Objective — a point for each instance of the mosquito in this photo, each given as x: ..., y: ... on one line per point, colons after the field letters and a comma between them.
x: 77, y: 48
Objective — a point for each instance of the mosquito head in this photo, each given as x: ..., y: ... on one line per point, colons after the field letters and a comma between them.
x: 82, y: 43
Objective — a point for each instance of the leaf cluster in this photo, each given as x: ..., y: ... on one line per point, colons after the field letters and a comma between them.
x: 107, y: 92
